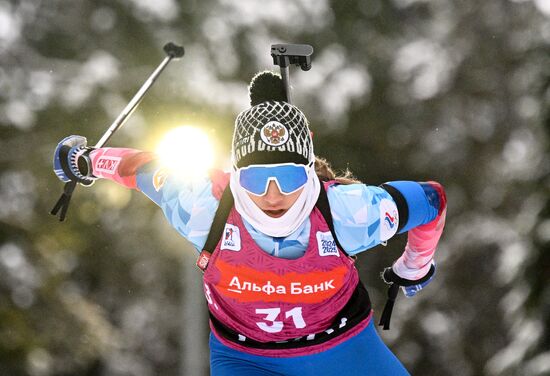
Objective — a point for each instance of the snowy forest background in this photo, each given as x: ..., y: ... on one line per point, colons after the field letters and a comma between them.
x: 453, y: 91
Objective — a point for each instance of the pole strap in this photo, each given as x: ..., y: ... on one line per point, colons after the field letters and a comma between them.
x: 389, y: 276
x: 64, y: 201
x: 393, y: 291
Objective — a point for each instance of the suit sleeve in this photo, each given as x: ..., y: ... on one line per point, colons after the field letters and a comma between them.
x: 189, y: 205
x: 365, y: 216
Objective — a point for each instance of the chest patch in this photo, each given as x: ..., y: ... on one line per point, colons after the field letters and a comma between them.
x: 231, y: 238
x: 326, y: 244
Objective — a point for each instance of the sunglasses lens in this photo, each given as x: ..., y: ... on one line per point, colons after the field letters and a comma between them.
x: 290, y: 178
x: 254, y: 181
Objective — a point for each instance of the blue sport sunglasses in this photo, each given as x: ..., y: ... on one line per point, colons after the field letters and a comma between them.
x: 289, y: 177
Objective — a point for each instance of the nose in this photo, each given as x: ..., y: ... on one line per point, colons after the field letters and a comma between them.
x: 273, y: 195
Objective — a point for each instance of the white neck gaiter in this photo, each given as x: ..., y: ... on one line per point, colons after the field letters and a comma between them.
x: 288, y: 222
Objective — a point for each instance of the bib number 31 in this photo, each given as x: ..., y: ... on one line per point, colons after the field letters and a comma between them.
x: 272, y: 325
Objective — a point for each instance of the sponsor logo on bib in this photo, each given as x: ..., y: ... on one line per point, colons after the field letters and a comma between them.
x: 231, y: 238
x: 326, y: 244
x: 246, y: 284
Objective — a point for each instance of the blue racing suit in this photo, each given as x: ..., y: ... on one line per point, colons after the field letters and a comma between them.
x: 363, y: 216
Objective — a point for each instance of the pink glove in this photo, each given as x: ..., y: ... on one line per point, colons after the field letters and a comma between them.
x: 119, y: 164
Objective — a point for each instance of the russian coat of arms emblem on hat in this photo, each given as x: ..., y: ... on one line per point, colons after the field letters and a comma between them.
x: 274, y: 133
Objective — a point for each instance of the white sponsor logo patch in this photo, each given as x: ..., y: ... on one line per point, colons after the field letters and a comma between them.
x: 326, y: 244
x: 231, y: 238
x: 389, y: 219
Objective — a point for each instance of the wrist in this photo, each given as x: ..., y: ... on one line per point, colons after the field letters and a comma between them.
x: 390, y: 276
x: 401, y: 269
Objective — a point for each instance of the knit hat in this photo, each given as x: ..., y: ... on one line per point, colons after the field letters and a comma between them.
x: 272, y: 130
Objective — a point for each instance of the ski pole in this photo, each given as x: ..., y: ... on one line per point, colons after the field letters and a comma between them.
x: 172, y: 52
x: 285, y: 54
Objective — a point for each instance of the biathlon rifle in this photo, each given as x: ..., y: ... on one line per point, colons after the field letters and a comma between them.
x: 286, y: 54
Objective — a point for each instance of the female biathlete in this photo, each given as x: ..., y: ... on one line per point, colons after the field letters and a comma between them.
x: 277, y: 238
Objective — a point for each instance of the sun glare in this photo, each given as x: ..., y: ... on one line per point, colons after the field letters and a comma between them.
x: 186, y: 151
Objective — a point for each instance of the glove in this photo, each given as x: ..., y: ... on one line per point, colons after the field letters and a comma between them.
x: 410, y: 287
x: 71, y: 161
x: 411, y: 290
